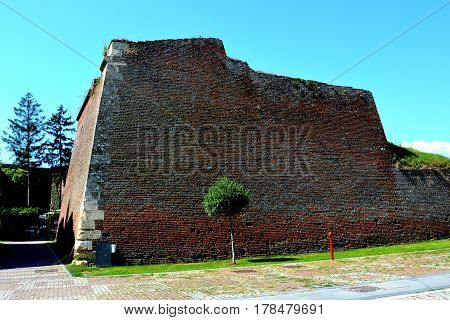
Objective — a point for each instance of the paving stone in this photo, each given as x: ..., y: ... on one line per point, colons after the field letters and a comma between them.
x: 46, y: 278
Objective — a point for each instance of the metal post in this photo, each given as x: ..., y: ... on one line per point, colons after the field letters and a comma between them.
x: 330, y: 237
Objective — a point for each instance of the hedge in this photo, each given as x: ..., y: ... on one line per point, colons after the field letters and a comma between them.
x: 21, y: 211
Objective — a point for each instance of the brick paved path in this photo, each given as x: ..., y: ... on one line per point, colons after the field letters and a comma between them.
x: 31, y: 271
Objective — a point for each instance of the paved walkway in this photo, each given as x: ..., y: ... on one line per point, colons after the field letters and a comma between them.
x: 443, y: 294
x: 405, y: 287
x: 31, y: 271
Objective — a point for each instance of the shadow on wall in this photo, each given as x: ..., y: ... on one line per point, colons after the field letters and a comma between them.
x: 65, y: 240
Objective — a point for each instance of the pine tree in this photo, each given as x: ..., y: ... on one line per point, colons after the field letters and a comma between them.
x: 59, y: 148
x: 25, y: 137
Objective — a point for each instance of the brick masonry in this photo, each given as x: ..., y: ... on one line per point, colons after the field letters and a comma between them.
x: 169, y: 117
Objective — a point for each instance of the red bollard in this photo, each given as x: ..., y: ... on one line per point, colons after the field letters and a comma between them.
x: 330, y: 237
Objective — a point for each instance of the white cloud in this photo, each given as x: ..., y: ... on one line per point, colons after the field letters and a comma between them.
x: 440, y: 147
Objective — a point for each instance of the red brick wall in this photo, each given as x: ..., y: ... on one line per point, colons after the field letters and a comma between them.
x: 177, y: 116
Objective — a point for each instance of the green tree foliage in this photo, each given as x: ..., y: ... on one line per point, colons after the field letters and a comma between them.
x: 226, y: 197
x: 16, y: 175
x: 19, y: 211
x: 25, y: 137
x: 59, y: 148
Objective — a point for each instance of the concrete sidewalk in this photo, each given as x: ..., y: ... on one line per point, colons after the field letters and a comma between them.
x: 372, y: 290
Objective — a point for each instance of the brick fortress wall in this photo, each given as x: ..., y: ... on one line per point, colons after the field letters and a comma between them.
x: 176, y: 115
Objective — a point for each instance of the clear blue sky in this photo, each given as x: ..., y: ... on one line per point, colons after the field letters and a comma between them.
x: 410, y: 78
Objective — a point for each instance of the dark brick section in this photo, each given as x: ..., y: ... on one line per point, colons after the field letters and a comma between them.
x: 175, y: 115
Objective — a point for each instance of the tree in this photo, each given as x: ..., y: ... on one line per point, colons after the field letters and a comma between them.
x: 59, y: 147
x: 25, y: 138
x: 17, y: 175
x: 226, y: 197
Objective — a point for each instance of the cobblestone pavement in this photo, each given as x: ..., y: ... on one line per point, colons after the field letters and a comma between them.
x: 44, y: 278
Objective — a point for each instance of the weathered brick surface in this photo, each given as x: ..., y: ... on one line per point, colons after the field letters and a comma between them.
x: 176, y: 115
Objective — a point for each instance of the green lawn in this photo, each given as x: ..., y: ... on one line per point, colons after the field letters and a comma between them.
x: 411, y: 159
x: 79, y: 271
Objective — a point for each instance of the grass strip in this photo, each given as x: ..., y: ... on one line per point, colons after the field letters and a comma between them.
x: 83, y: 271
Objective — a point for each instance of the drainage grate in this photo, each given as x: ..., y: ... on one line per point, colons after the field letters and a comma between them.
x: 363, y: 289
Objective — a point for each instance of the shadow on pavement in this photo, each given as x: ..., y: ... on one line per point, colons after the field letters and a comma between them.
x: 26, y: 254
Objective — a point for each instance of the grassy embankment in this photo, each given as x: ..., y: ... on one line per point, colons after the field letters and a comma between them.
x: 411, y: 159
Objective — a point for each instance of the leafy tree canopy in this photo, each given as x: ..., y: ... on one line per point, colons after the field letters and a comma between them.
x: 16, y: 175
x: 225, y: 197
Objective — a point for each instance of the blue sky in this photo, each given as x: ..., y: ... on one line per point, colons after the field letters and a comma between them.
x: 317, y: 40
